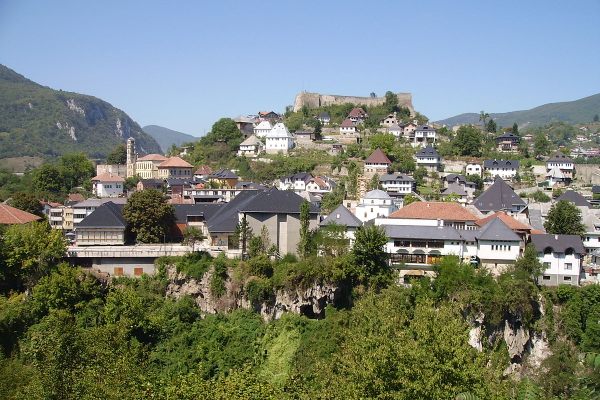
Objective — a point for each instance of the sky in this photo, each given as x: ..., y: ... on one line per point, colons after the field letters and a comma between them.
x: 185, y: 64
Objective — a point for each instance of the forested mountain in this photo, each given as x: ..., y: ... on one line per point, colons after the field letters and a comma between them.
x: 39, y: 121
x: 167, y: 137
x: 574, y: 112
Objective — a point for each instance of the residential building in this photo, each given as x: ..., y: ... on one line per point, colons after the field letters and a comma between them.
x: 13, y: 216
x: 409, y: 130
x: 144, y: 184
x: 245, y: 124
x: 396, y: 130
x: 474, y: 169
x: 103, y: 226
x: 454, y: 181
x: 562, y: 162
x: 175, y: 167
x: 342, y: 216
x: 262, y: 129
x: 432, y: 213
x: 377, y: 163
x: 320, y: 185
x: 389, y: 120
x: 398, y: 183
x: 429, y: 159
x: 223, y: 178
x: 357, y: 115
x: 497, y: 245
x: 556, y: 178
x: 522, y: 229
x: 561, y: 256
x: 375, y: 204
x: 108, y: 185
x: 324, y: 118
x: 591, y: 220
x: 86, y: 207
x: 500, y: 197
x: 505, y: 169
x: 423, y: 135
x: 348, y: 127
x: 251, y: 147
x: 454, y: 190
x: 147, y: 167
x: 575, y: 198
x: 296, y: 182
x: 203, y: 172
x: 271, y: 116
x: 279, y: 139
x: 507, y: 142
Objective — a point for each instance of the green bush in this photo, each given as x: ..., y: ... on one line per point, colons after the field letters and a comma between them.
x: 194, y: 265
x: 540, y: 196
x: 259, y: 290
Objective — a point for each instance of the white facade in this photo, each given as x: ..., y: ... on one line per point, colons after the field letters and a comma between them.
x: 376, y: 203
x: 430, y: 163
x: 563, y: 267
x: 261, y: 130
x: 498, y: 251
x: 279, y: 139
x: 474, y: 169
x: 402, y: 186
x: 506, y: 173
x: 348, y: 130
x: 108, y: 189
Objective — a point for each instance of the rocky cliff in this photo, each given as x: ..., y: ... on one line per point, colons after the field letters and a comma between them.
x: 310, y: 301
x: 314, y: 100
x: 39, y: 121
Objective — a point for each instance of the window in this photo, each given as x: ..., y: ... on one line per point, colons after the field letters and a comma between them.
x: 567, y: 278
x: 138, y: 271
x: 568, y: 266
x: 118, y: 271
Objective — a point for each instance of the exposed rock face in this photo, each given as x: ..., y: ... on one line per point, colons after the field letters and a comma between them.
x: 314, y: 100
x: 516, y: 338
x: 310, y: 301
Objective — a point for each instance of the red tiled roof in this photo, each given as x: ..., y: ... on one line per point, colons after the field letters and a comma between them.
x: 378, y: 157
x: 347, y: 123
x: 204, y: 170
x: 106, y: 177
x: 175, y: 162
x: 357, y: 112
x: 512, y: 223
x: 153, y: 157
x: 11, y: 216
x: 75, y: 197
x: 434, y: 210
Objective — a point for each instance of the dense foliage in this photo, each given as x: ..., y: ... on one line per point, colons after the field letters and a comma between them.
x: 149, y: 216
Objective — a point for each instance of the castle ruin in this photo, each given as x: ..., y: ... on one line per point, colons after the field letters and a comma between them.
x: 314, y: 100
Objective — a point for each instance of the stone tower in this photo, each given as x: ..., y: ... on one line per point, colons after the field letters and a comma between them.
x: 131, y: 157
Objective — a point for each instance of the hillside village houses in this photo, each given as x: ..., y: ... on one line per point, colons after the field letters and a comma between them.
x: 429, y: 159
x: 262, y: 129
x: 377, y: 163
x: 505, y: 169
x: 108, y: 185
x: 560, y: 164
x: 374, y: 204
x: 348, y: 127
x: 279, y: 139
x: 507, y: 142
x: 423, y: 135
x: 357, y: 115
x: 324, y: 118
x: 251, y: 147
x: 398, y: 184
x: 474, y: 169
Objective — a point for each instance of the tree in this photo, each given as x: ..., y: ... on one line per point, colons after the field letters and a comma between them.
x: 118, y: 155
x: 149, y: 216
x: 27, y: 202
x: 47, y: 178
x: 491, y: 126
x: 191, y: 235
x: 391, y: 101
x: 131, y: 182
x: 403, y: 159
x: 331, y: 240
x: 224, y: 130
x: 564, y: 218
x: 468, y: 141
x: 529, y: 262
x: 541, y: 145
x: 370, y: 257
x: 374, y: 182
x: 419, y: 175
x: 372, y: 95
x: 75, y: 170
x: 242, y: 234
x: 483, y: 116
x: 515, y: 129
x: 409, y: 198
x: 318, y: 130
x: 596, y: 118
x: 476, y: 179
x: 383, y: 141
x: 30, y: 251
x: 305, y: 245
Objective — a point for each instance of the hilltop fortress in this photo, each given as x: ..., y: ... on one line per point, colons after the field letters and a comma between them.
x: 314, y: 100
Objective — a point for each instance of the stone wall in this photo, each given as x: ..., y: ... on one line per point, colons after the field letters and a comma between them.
x: 588, y: 173
x: 314, y: 100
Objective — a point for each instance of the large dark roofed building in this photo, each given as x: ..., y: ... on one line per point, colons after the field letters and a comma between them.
x: 500, y: 197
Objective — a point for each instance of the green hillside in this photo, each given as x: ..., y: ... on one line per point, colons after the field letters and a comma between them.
x: 167, y: 137
x: 572, y: 112
x: 39, y: 121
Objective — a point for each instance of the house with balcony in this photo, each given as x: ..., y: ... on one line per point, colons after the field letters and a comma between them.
x: 507, y: 142
x: 561, y: 257
x: 423, y: 135
x: 505, y: 169
x: 357, y: 115
x: 429, y: 159
x: 397, y: 183
x: 563, y: 163
x: 251, y: 147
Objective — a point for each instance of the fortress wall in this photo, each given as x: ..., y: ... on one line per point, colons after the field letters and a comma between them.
x: 313, y: 100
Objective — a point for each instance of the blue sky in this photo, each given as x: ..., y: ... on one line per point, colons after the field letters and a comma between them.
x: 184, y: 64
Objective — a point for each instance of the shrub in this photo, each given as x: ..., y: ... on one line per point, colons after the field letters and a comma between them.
x: 259, y: 290
x: 540, y: 196
x: 194, y: 265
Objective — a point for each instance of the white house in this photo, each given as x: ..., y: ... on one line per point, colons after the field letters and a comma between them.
x: 429, y: 158
x: 564, y: 164
x: 390, y: 120
x: 324, y: 118
x: 474, y: 169
x: 251, y: 147
x: 561, y: 257
x: 320, y: 185
x: 395, y: 130
x: 357, y: 115
x: 397, y: 183
x: 505, y: 169
x: 591, y: 220
x: 108, y: 185
x: 348, y: 127
x: 279, y: 139
x: 376, y: 203
x: 377, y: 163
x: 261, y: 130
x: 342, y: 216
x: 497, y: 245
x: 422, y: 135
x: 296, y: 182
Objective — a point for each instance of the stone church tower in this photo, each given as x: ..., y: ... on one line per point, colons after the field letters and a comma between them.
x: 131, y: 157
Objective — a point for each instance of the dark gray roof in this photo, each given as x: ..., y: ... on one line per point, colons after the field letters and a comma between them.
x: 558, y: 243
x: 302, y: 176
x: 249, y: 185
x: 396, y: 177
x: 428, y: 151
x: 596, y: 189
x: 341, y: 216
x: 324, y: 114
x: 498, y: 197
x: 223, y: 174
x: 497, y: 230
x: 422, y: 232
x: 226, y: 218
x: 508, y: 135
x: 501, y: 164
x: 455, y: 178
x: 108, y: 215
x: 179, y: 181
x: 559, y: 157
x: 454, y: 188
x: 207, y: 210
x: 425, y: 128
x: 575, y: 198
x: 274, y: 201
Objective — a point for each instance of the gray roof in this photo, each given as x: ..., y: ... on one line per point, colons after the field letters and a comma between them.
x: 207, y: 210
x: 508, y: 135
x: 298, y: 176
x: 225, y: 219
x: 428, y: 151
x: 424, y: 128
x: 575, y: 198
x: 396, y: 177
x: 501, y: 164
x: 324, y: 114
x: 249, y: 185
x: 454, y: 188
x: 558, y: 243
x: 422, y: 232
x: 99, y: 202
x: 454, y: 178
x: 596, y: 189
x: 497, y: 230
x: 559, y: 157
x: 274, y: 201
x: 498, y: 197
x: 377, y: 194
x: 341, y: 216
x: 223, y: 174
x: 108, y: 215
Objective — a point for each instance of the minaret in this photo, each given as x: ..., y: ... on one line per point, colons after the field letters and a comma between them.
x: 131, y: 157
